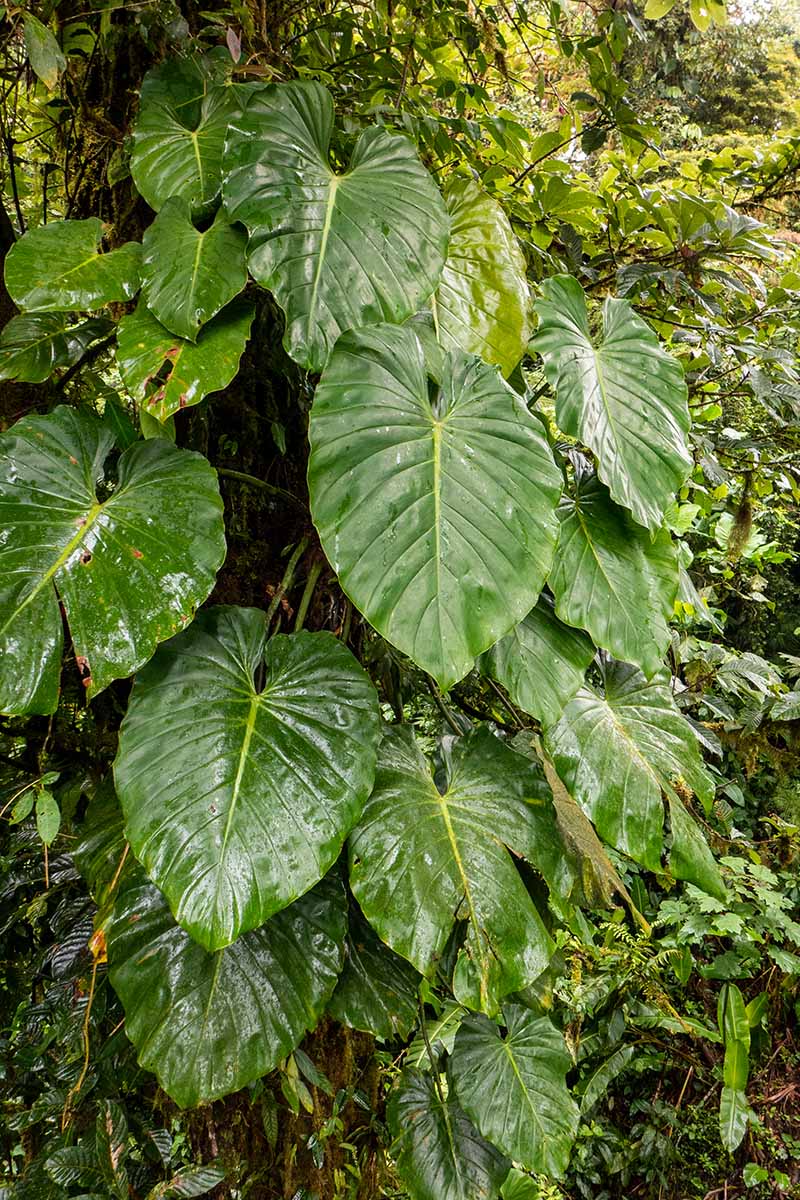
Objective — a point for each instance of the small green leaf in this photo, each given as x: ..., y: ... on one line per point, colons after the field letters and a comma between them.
x: 655, y: 9
x: 189, y: 276
x: 44, y: 52
x: 23, y: 807
x: 482, y: 304
x: 48, y: 817
x: 439, y: 1153
x: 734, y: 1114
x: 513, y: 1087
x: 58, y: 267
x: 144, y: 346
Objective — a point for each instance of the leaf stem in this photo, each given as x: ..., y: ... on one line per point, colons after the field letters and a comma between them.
x: 242, y: 477
x: 288, y: 576
x: 308, y: 591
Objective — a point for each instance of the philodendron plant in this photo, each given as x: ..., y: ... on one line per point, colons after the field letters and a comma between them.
x: 291, y: 853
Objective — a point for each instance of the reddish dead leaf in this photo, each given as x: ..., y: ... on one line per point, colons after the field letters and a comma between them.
x: 97, y: 945
x: 84, y: 670
x: 136, y: 553
x: 234, y: 44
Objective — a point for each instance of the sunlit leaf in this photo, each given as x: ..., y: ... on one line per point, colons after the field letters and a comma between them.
x: 58, y: 267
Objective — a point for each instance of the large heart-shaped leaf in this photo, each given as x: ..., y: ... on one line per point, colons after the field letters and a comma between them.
x: 58, y: 267
x: 438, y: 517
x: 195, y: 368
x: 171, y: 157
x: 129, y: 570
x: 188, y: 276
x: 482, y: 303
x: 32, y: 345
x: 616, y: 754
x: 625, y: 398
x: 541, y: 663
x: 338, y: 251
x: 377, y: 989
x: 610, y: 577
x: 207, y: 1024
x: 438, y: 1151
x: 514, y: 1087
x: 421, y: 859
x: 237, y: 797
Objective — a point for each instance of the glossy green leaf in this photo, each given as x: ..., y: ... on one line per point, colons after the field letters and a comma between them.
x: 421, y: 859
x: 541, y: 663
x: 129, y: 571
x: 195, y: 369
x: 732, y: 1018
x: 339, y: 251
x: 207, y: 1024
x: 182, y: 82
x: 48, y: 817
x: 624, y: 398
x: 377, y: 991
x: 690, y: 856
x: 32, y: 345
x: 611, y: 578
x: 111, y: 1137
x: 237, y: 799
x: 513, y: 1087
x: 188, y: 1182
x: 734, y: 1114
x: 45, y: 54
x: 439, y: 1153
x: 188, y: 276
x: 616, y: 754
x: 482, y: 304
x: 58, y: 267
x: 172, y: 158
x: 438, y: 517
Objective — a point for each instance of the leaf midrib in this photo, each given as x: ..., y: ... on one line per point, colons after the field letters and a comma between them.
x: 333, y: 186
x: 72, y: 545
x: 473, y: 916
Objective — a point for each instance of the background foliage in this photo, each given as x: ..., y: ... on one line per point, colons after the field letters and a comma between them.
x: 647, y: 159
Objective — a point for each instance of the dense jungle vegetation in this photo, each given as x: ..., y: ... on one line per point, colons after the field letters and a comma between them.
x: 399, y: 619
